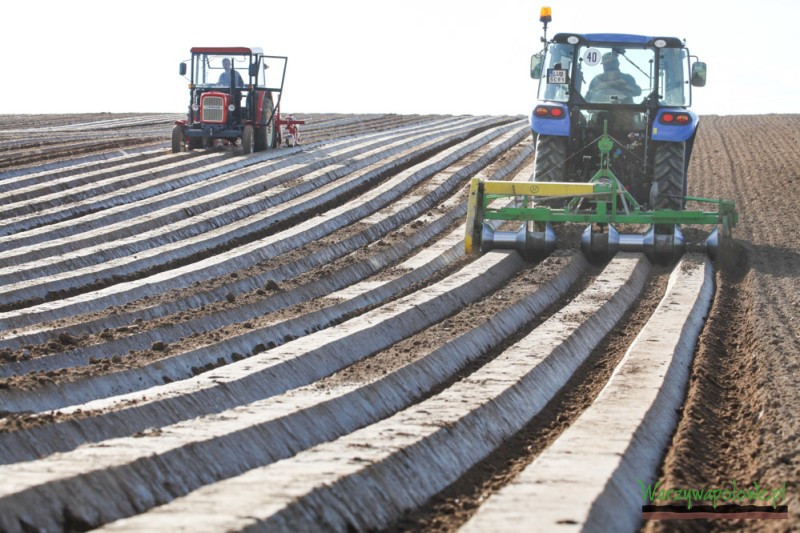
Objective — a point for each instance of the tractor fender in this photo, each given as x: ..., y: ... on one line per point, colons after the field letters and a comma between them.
x: 663, y: 131
x: 548, y: 123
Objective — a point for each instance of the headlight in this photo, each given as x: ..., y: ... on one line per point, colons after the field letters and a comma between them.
x: 195, y: 107
x: 231, y: 107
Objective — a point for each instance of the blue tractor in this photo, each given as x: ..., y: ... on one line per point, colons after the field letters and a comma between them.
x: 614, y: 134
x: 636, y: 88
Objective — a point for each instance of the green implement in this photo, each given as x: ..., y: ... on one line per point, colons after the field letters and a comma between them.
x: 601, y: 203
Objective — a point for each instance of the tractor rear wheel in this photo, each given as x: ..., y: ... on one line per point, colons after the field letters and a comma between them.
x: 248, y: 140
x: 266, y: 134
x: 549, y: 165
x: 668, y: 190
x: 178, y: 140
x: 551, y: 153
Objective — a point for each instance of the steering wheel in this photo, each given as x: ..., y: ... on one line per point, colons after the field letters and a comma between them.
x: 608, y: 96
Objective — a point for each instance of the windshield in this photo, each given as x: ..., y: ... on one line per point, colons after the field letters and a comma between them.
x: 615, y: 74
x: 217, y: 70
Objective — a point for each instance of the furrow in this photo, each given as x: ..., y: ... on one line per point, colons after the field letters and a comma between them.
x: 49, y: 189
x: 238, y: 200
x: 349, y: 301
x: 353, y: 299
x: 172, y: 188
x: 402, y: 460
x: 251, y: 253
x: 592, y: 479
x: 292, y: 364
x: 260, y: 433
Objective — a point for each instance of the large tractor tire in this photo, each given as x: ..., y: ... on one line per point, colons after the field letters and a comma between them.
x: 551, y: 154
x: 267, y: 134
x: 248, y: 140
x: 549, y: 165
x: 178, y: 140
x: 668, y: 190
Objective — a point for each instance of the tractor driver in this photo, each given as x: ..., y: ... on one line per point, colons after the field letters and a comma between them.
x: 225, y: 81
x: 225, y: 77
x: 612, y: 85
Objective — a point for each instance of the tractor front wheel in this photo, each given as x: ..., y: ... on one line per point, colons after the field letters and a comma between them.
x: 248, y: 140
x: 178, y: 140
x: 668, y: 190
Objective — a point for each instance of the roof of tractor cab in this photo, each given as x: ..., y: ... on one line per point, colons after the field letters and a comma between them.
x: 616, y: 38
x: 233, y: 50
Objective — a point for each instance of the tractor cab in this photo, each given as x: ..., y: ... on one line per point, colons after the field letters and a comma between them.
x: 616, y: 77
x: 635, y: 88
x: 232, y: 93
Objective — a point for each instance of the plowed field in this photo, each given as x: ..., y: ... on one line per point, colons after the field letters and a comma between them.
x: 294, y: 340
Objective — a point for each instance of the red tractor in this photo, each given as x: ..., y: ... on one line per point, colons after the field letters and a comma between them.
x: 231, y: 98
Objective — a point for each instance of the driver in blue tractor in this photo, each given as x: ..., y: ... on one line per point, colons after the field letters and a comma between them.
x: 612, y: 83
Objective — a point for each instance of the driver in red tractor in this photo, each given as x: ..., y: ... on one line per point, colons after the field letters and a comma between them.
x: 225, y: 77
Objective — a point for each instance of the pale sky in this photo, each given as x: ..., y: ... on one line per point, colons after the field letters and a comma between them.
x: 458, y: 57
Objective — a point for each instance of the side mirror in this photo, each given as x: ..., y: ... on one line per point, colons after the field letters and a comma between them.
x: 698, y: 74
x: 253, y: 70
x: 536, y: 66
x: 182, y: 69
